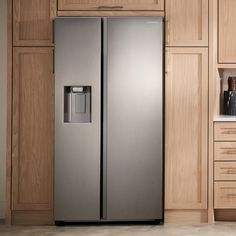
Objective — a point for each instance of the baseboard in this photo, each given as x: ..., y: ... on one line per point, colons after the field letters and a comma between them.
x: 2, y: 209
x: 32, y: 218
x: 186, y: 216
x: 225, y: 214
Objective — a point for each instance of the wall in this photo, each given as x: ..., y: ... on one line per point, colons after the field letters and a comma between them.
x: 3, y: 74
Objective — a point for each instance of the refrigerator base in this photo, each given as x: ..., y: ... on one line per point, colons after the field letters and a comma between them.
x: 110, y: 222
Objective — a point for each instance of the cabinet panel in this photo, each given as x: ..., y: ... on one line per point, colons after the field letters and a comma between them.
x: 32, y: 22
x: 32, y: 138
x: 225, y: 195
x: 111, y: 5
x: 186, y: 128
x: 227, y: 31
x: 187, y: 22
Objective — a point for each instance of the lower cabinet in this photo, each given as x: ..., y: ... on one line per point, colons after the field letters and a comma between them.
x: 225, y: 166
x: 186, y: 128
x: 32, y: 134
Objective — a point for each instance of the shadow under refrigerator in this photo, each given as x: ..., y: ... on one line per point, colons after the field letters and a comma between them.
x: 108, y: 119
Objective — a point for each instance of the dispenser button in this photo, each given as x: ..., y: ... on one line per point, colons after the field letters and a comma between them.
x: 77, y: 89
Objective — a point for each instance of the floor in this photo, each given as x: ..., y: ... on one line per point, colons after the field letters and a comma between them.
x: 217, y: 229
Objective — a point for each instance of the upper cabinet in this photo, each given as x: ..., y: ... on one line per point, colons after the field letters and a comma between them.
x: 95, y: 5
x: 187, y: 22
x: 32, y: 22
x: 227, y: 31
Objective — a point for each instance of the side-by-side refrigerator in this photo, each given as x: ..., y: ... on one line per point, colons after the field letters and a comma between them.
x: 108, y: 119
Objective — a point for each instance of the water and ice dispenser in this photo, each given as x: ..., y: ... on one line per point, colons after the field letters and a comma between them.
x: 77, y: 104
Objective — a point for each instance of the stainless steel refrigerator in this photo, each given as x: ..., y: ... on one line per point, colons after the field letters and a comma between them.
x: 108, y: 119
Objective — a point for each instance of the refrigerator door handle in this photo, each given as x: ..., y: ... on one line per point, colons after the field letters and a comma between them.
x: 104, y: 132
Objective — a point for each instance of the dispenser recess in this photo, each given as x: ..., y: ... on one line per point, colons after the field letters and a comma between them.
x: 77, y: 104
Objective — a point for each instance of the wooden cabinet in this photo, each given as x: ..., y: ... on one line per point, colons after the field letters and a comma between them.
x: 32, y: 134
x: 32, y: 108
x: 32, y: 22
x: 186, y: 22
x: 225, y: 165
x: 153, y: 5
x: 186, y: 125
x: 227, y: 31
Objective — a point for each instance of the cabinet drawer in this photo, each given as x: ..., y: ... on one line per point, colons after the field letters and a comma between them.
x: 225, y: 131
x: 225, y: 170
x: 225, y: 151
x: 225, y: 195
x: 111, y: 5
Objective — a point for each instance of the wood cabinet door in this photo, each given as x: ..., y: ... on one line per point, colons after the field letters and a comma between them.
x: 32, y: 135
x: 32, y: 22
x: 186, y: 125
x: 227, y: 31
x: 186, y: 22
x: 95, y: 5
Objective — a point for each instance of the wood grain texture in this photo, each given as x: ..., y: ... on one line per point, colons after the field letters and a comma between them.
x: 186, y: 128
x: 227, y: 31
x: 212, y: 101
x: 9, y: 113
x: 225, y: 131
x: 185, y: 216
x: 224, y: 171
x: 225, y: 195
x: 32, y: 135
x: 225, y: 151
x: 110, y: 13
x: 32, y: 218
x: 111, y: 5
x: 32, y: 22
x: 186, y: 22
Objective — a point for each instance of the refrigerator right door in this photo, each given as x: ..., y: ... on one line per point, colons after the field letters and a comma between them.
x: 133, y: 119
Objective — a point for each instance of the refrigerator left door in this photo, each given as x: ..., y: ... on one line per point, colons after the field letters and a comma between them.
x: 77, y: 140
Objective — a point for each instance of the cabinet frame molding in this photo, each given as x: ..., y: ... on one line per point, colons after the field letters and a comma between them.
x: 110, y: 13
x: 8, y: 214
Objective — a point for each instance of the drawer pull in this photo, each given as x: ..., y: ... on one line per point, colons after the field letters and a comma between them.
x: 229, y: 131
x: 228, y: 151
x: 228, y: 170
x: 231, y: 195
x: 110, y: 7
